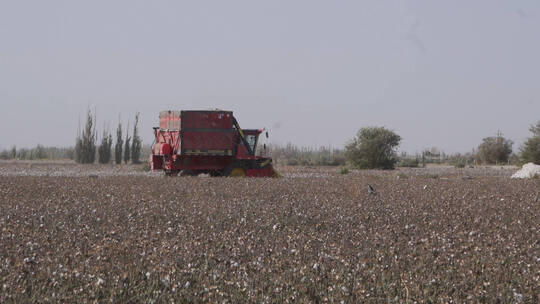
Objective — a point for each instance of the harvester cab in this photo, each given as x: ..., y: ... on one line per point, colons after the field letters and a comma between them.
x: 194, y: 142
x: 248, y: 146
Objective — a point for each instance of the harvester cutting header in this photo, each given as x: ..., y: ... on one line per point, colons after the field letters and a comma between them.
x: 212, y: 142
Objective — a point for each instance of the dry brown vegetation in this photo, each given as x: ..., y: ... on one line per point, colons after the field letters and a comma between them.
x: 317, y: 237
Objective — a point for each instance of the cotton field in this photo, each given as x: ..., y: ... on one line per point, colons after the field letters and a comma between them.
x: 312, y: 236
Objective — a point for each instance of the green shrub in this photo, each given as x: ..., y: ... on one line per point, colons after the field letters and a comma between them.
x: 292, y: 162
x: 530, y: 151
x: 408, y: 163
x: 494, y: 150
x: 337, y: 160
x: 307, y: 156
x: 305, y: 162
x: 373, y: 148
x: 145, y: 167
x: 459, y: 164
x: 344, y: 171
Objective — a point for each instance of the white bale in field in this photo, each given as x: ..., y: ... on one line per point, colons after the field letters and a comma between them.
x: 529, y: 170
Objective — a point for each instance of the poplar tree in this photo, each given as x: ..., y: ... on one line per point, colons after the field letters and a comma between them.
x: 118, y: 146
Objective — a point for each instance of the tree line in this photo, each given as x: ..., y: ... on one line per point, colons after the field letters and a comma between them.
x: 87, y: 149
x: 37, y: 153
x: 128, y: 149
x: 371, y: 148
x: 293, y: 155
x: 375, y: 148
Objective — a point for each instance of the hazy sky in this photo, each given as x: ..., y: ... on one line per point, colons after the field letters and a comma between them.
x: 439, y: 73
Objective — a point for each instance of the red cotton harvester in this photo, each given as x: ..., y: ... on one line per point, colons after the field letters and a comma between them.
x: 212, y: 142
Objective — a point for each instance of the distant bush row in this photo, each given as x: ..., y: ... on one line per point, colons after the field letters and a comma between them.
x: 371, y: 148
x: 37, y: 153
x: 292, y: 155
x: 494, y: 150
x: 41, y: 152
x: 375, y: 148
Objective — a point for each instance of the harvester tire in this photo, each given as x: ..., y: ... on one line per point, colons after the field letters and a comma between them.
x: 216, y: 173
x: 235, y: 170
x: 171, y: 172
x: 188, y: 173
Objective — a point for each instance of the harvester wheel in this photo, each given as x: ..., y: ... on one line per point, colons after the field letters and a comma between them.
x: 215, y: 173
x: 235, y: 170
x: 238, y: 172
x: 189, y: 173
x: 171, y: 172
